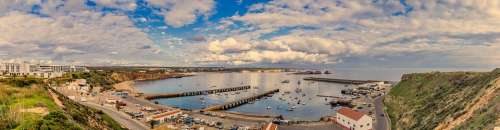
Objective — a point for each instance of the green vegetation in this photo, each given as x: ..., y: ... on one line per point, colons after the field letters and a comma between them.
x: 56, y: 121
x: 89, y: 117
x: 15, y: 101
x: 21, y: 81
x: 25, y: 104
x: 94, y: 78
x: 423, y: 100
x: 486, y: 115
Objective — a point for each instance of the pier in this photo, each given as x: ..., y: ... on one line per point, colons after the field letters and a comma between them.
x: 342, y: 81
x: 195, y: 93
x: 239, y: 102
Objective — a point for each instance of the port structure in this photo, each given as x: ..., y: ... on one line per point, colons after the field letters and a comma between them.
x: 342, y: 81
x: 195, y: 93
x: 239, y: 102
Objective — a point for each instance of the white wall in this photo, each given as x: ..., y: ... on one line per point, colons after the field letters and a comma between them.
x: 353, y: 124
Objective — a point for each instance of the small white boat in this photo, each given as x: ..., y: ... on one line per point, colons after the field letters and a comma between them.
x: 268, y: 107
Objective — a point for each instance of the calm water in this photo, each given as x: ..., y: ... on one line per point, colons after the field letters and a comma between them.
x: 311, y: 107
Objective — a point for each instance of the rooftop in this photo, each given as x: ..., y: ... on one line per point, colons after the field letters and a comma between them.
x: 353, y: 114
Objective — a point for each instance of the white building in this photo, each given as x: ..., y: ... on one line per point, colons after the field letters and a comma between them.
x: 42, y: 71
x: 79, y: 85
x: 162, y: 117
x: 353, y: 120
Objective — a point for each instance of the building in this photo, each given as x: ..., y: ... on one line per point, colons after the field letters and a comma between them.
x: 36, y: 70
x: 270, y: 126
x: 163, y: 117
x: 353, y: 120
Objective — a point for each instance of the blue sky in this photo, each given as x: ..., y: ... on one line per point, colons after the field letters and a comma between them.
x: 306, y: 33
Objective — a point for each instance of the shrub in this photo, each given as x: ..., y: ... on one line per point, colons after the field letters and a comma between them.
x: 56, y: 121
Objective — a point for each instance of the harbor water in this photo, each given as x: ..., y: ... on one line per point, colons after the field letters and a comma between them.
x: 297, y: 99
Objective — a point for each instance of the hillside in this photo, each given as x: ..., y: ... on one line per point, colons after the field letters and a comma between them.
x: 26, y: 104
x: 107, y: 79
x: 445, y: 100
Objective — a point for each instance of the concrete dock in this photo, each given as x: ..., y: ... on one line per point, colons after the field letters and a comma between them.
x: 194, y: 93
x: 342, y: 81
x: 239, y: 102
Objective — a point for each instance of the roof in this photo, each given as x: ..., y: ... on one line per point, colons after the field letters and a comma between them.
x: 166, y: 114
x: 355, y: 115
x: 270, y: 126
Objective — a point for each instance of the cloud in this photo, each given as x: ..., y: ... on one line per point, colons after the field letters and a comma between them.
x: 178, y: 13
x: 229, y: 45
x: 285, y: 49
x: 120, y: 4
x: 88, y: 34
x: 355, y: 31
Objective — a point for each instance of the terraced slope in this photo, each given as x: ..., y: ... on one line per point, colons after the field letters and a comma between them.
x: 445, y: 100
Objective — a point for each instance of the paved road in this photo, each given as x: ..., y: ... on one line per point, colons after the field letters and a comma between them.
x: 121, y: 118
x: 382, y: 121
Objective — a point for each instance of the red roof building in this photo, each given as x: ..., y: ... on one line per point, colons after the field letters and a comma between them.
x: 270, y: 126
x: 353, y: 120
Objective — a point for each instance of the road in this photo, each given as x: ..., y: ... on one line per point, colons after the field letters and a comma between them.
x: 382, y: 121
x: 121, y: 118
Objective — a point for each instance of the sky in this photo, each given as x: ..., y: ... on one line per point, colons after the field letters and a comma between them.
x: 253, y: 33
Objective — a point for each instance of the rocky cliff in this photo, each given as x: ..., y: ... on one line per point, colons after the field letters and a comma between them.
x: 445, y: 100
x: 126, y: 76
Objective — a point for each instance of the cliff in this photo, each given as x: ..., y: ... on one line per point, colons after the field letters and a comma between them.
x: 445, y: 100
x: 140, y: 76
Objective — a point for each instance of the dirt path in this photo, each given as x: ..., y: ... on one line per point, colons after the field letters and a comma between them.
x: 56, y: 99
x: 38, y: 110
x: 489, y: 94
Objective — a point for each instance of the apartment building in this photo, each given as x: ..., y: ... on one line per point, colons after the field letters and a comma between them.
x: 42, y: 71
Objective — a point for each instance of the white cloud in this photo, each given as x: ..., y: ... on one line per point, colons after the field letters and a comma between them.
x: 361, y: 30
x: 179, y: 13
x: 229, y: 45
x: 88, y: 34
x: 287, y: 49
x: 120, y: 4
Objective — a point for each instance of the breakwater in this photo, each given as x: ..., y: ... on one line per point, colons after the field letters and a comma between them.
x: 195, y: 93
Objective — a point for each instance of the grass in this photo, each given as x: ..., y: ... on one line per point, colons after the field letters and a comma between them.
x: 94, y: 78
x: 14, y: 99
x: 16, y: 96
x: 422, y: 101
x: 486, y: 115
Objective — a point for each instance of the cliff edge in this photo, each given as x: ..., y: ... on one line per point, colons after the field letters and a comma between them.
x: 445, y: 100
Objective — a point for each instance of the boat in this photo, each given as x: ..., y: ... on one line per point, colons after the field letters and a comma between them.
x: 291, y: 108
x: 327, y: 72
x: 285, y: 81
x: 268, y: 107
x: 251, y: 102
